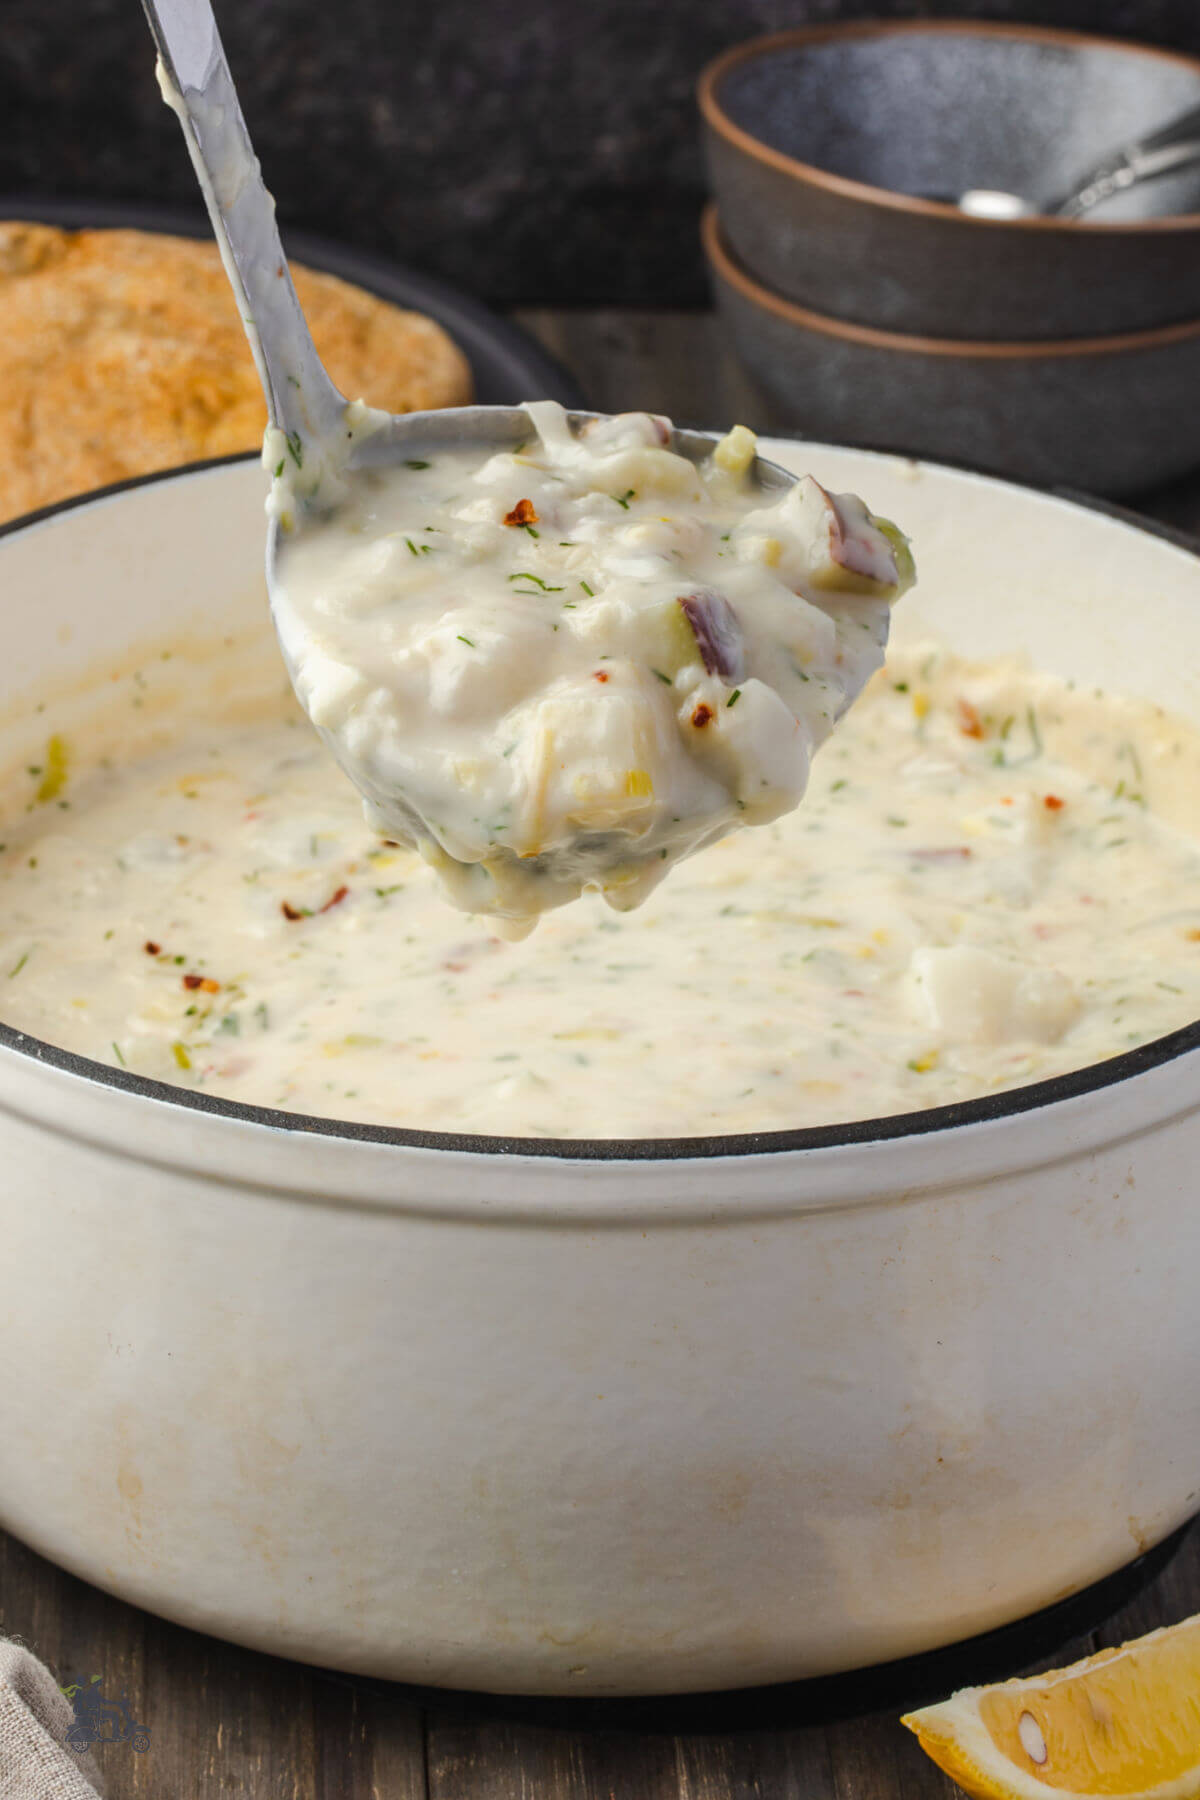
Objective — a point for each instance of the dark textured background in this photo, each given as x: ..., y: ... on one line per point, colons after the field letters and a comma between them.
x: 530, y: 150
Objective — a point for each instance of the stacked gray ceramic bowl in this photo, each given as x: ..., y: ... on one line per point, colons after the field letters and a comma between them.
x: 870, y: 309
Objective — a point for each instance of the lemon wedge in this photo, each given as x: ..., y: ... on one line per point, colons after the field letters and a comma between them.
x: 1123, y: 1723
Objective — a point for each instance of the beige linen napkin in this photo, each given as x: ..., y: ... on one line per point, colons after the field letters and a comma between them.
x: 35, y: 1763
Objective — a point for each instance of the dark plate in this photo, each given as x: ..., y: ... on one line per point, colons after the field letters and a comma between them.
x: 507, y: 364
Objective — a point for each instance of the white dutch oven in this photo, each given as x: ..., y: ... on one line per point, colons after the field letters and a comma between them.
x: 613, y: 1418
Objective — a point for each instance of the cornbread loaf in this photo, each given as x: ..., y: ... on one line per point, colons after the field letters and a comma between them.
x: 122, y: 352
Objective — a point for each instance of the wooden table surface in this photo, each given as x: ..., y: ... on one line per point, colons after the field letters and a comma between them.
x: 227, y: 1722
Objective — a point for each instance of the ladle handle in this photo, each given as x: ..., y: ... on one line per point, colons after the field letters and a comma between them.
x: 197, y: 85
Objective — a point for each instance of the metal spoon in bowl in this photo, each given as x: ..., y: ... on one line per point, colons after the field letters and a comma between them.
x: 320, y: 440
x: 1175, y: 146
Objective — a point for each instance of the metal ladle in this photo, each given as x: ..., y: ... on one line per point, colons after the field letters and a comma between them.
x: 318, y: 426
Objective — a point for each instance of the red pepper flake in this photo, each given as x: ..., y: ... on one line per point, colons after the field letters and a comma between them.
x: 522, y: 514
x: 701, y: 716
x: 151, y: 948
x: 205, y: 983
x: 599, y: 675
x: 948, y: 853
x: 969, y: 721
x: 304, y: 912
x: 1052, y: 803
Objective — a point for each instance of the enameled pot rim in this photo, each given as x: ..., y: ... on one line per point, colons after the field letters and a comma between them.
x: 719, y: 121
x: 914, y: 1126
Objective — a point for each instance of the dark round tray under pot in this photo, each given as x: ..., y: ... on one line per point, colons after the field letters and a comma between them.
x: 824, y: 144
x: 508, y: 365
x: 1114, y: 415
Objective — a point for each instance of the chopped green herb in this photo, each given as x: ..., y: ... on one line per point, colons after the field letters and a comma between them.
x: 180, y: 1054
x: 1127, y: 750
x: 116, y: 1050
x: 465, y: 640
x: 590, y: 592
x: 527, y: 575
x: 415, y: 462
x: 279, y: 467
x: 623, y: 500
x: 666, y: 679
x: 295, y: 446
x: 18, y: 965
x: 734, y: 697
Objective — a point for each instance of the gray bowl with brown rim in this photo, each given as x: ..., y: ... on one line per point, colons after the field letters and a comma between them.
x: 825, y: 143
x: 1114, y: 415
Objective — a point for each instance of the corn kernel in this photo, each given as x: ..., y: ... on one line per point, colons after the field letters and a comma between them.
x: 736, y: 450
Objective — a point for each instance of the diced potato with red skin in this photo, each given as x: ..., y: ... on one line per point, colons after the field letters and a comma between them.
x: 842, y: 547
x: 696, y: 630
x: 718, y: 636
